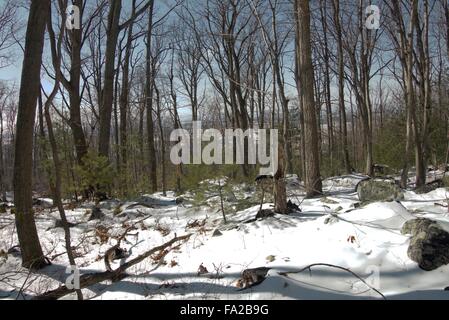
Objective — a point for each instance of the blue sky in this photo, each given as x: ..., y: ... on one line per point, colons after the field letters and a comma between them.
x: 12, y: 72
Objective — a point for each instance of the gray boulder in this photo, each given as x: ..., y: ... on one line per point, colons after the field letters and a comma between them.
x: 429, y: 244
x: 97, y: 214
x: 372, y: 190
x: 415, y: 226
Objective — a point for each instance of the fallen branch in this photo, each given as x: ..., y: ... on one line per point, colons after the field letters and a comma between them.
x: 108, y: 256
x: 88, y: 280
x: 309, y: 267
x: 441, y: 204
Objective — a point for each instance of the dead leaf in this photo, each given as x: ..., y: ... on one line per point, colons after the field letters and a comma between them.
x: 173, y: 263
x: 202, y: 270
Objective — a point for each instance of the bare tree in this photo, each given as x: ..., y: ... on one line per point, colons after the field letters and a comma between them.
x: 325, y: 56
x: 32, y: 255
x: 161, y: 139
x: 445, y: 7
x: 305, y: 84
x: 279, y: 190
x: 404, y: 39
x: 9, y: 26
x: 276, y: 42
x: 414, y: 55
x: 125, y: 92
x: 175, y: 114
x: 107, y: 97
x: 149, y: 92
x: 190, y: 70
x: 422, y: 126
x: 56, y: 52
x: 341, y: 86
x: 360, y: 43
x: 6, y: 94
x: 231, y: 26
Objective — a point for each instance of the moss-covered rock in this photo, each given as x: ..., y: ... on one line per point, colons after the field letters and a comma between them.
x: 372, y: 190
x: 429, y: 244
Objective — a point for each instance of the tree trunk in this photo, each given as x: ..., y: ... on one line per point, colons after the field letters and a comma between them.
x: 407, y: 52
x: 176, y: 121
x: 124, y: 96
x: 305, y: 82
x: 422, y: 135
x: 280, y: 193
x: 149, y: 85
x: 116, y: 118
x: 56, y: 190
x: 2, y: 162
x: 162, y: 140
x: 55, y: 185
x: 32, y: 255
x: 74, y: 91
x: 107, y: 98
x: 327, y: 88
x: 341, y: 88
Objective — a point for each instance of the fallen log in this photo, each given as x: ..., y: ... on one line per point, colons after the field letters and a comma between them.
x: 90, y: 279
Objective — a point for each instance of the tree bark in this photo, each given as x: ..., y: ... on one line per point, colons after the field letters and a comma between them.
x: 405, y: 41
x: 327, y: 87
x: 305, y: 83
x: 73, y: 88
x: 32, y: 255
x: 176, y: 120
x: 124, y: 96
x: 149, y: 92
x: 280, y: 192
x: 341, y: 88
x: 55, y: 185
x: 162, y: 140
x: 107, y: 97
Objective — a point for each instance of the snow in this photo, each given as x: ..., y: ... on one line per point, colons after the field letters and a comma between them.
x: 330, y: 230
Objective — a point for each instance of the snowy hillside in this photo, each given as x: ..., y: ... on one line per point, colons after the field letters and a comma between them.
x: 365, y: 240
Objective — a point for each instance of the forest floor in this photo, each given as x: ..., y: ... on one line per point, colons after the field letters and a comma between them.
x: 331, y: 230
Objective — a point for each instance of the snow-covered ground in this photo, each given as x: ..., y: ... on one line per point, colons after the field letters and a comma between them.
x: 330, y: 230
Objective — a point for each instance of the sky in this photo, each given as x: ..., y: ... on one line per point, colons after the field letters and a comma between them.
x: 12, y: 72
